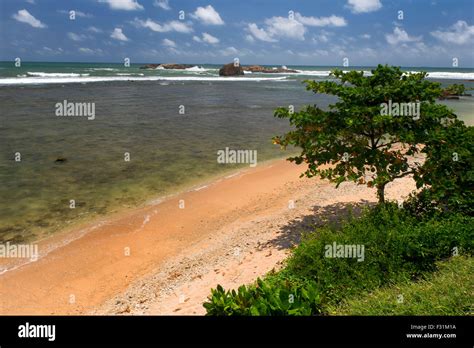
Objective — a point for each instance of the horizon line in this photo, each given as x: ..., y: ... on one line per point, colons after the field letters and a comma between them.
x: 248, y: 64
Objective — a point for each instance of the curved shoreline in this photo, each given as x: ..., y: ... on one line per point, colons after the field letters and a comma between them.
x: 144, y: 256
x: 68, y: 266
x: 79, y: 229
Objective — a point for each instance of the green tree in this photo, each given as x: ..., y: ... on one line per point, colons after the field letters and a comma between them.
x: 361, y: 138
x: 448, y: 172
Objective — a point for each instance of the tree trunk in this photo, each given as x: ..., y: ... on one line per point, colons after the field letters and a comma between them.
x: 381, y: 193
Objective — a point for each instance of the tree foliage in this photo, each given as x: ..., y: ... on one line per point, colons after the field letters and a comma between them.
x: 354, y: 140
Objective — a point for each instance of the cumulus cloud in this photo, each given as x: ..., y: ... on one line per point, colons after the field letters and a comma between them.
x: 77, y: 13
x: 94, y: 29
x: 209, y: 38
x: 459, y: 33
x: 364, y: 6
x: 89, y: 51
x: 400, y: 36
x: 76, y: 37
x: 45, y: 50
x: 207, y: 15
x: 259, y: 34
x: 168, y: 43
x: 278, y: 27
x: 229, y: 51
x: 25, y: 17
x: 249, y: 38
x: 118, y: 34
x: 178, y: 26
x: 164, y: 4
x: 331, y: 21
x: 290, y: 28
x: 126, y: 5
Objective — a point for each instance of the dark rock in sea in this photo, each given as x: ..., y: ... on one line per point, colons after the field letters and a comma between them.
x: 167, y: 66
x: 231, y: 70
x: 60, y: 160
x: 150, y: 66
x: 262, y: 69
x: 254, y: 68
x: 176, y: 66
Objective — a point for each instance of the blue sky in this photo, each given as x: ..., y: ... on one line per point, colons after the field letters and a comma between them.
x: 303, y: 32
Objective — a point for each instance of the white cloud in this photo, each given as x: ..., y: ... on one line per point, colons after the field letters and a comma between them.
x: 168, y: 43
x: 259, y: 34
x: 207, y: 15
x: 278, y: 27
x: 249, y: 38
x: 164, y: 4
x: 178, y: 26
x: 77, y: 13
x: 365, y: 36
x: 45, y: 50
x: 332, y: 21
x: 322, y: 37
x: 89, y: 51
x: 76, y: 37
x: 83, y: 15
x: 94, y: 29
x: 459, y: 33
x: 229, y: 51
x: 399, y: 35
x: 31, y: 2
x: 127, y: 5
x: 364, y: 6
x: 209, y: 38
x: 25, y: 17
x: 118, y: 34
x: 285, y: 27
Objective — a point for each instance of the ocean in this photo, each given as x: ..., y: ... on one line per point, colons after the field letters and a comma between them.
x: 154, y: 132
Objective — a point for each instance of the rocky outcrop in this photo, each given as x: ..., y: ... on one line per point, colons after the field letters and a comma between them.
x: 167, y: 66
x: 254, y: 68
x: 262, y: 69
x: 176, y: 66
x: 150, y: 66
x: 231, y: 70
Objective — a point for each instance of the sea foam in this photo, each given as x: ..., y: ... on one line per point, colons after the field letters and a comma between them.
x: 90, y: 79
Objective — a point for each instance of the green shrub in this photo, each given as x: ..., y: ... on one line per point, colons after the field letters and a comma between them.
x: 447, y: 175
x: 450, y: 291
x: 264, y: 299
x: 398, y: 247
x: 455, y: 89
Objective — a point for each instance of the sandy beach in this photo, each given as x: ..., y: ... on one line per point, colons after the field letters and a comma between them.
x: 165, y: 258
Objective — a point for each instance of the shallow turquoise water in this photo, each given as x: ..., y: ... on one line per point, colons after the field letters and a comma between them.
x: 168, y: 150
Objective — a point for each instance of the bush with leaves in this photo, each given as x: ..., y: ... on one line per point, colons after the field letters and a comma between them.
x: 354, y: 140
x: 448, y: 172
x: 398, y: 247
x: 455, y: 89
x: 264, y: 298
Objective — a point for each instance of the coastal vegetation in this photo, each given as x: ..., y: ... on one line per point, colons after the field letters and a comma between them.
x: 425, y: 243
x: 355, y: 140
